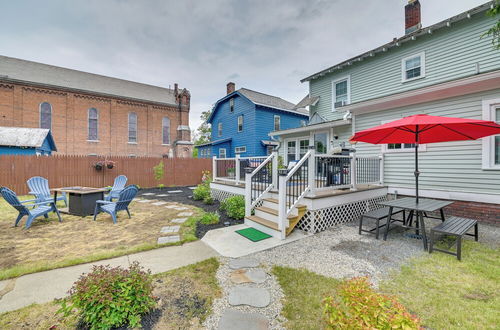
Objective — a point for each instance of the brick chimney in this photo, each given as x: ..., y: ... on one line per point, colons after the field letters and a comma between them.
x: 230, y: 87
x: 413, y: 20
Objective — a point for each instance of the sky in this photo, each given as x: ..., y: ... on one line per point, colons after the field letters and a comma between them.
x: 264, y: 45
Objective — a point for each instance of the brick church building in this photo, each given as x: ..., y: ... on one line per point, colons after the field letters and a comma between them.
x: 90, y: 114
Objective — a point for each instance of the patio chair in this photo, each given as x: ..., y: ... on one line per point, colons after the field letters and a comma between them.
x: 112, y: 208
x: 118, y: 185
x: 41, y: 208
x: 39, y: 187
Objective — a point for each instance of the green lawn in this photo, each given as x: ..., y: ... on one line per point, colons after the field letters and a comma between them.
x: 185, y: 299
x: 448, y: 294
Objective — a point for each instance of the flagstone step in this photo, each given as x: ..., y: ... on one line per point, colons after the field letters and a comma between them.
x: 179, y: 220
x: 243, y: 263
x: 236, y: 320
x: 240, y: 276
x: 159, y: 203
x: 170, y: 229
x: 254, y: 297
x: 169, y: 239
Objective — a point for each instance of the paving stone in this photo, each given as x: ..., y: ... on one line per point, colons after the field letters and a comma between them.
x: 185, y: 214
x: 174, y: 191
x: 181, y: 208
x: 170, y: 229
x: 255, y: 297
x: 171, y: 206
x: 169, y: 239
x: 240, y: 276
x: 236, y: 320
x: 243, y: 263
x: 159, y: 203
x: 192, y: 188
x: 179, y: 220
x: 148, y: 194
x: 162, y: 195
x: 145, y: 201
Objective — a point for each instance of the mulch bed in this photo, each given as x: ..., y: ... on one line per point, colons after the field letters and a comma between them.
x: 186, y: 197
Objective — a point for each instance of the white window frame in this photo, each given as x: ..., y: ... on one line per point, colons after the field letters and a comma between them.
x: 297, y: 146
x: 220, y: 152
x: 231, y: 105
x: 136, y: 126
x: 219, y: 129
x: 328, y: 142
x: 240, y: 150
x: 422, y: 66
x: 240, y: 117
x: 279, y: 122
x: 386, y: 150
x: 97, y: 125
x: 334, y: 90
x: 488, y: 143
x: 40, y: 114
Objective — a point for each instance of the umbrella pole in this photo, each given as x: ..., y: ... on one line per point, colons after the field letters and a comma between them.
x: 417, y: 173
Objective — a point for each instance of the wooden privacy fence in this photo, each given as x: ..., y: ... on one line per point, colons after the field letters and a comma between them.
x: 68, y: 171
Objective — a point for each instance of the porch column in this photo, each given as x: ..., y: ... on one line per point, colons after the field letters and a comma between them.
x: 275, y: 165
x: 311, y: 170
x: 248, y: 191
x: 353, y: 171
x: 237, y: 169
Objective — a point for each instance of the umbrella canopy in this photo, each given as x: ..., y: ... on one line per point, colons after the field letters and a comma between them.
x: 427, y: 129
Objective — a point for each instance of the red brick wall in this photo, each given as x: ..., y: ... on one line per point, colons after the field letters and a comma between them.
x: 19, y: 106
x: 483, y: 212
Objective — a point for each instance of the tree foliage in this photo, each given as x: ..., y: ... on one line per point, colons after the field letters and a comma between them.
x: 494, y: 31
x: 204, y: 131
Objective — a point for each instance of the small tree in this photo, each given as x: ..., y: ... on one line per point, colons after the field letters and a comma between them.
x: 494, y: 31
x: 159, y: 173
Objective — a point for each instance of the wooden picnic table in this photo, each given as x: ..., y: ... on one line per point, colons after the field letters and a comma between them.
x: 82, y: 200
x: 419, y: 209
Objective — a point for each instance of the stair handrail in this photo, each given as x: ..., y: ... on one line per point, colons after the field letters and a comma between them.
x: 249, y: 203
x: 290, y: 174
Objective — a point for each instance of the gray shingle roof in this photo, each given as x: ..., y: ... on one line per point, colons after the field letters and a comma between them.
x: 22, y: 137
x: 269, y: 100
x: 44, y: 74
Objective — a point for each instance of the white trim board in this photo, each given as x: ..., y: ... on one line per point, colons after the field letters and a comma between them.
x: 451, y: 195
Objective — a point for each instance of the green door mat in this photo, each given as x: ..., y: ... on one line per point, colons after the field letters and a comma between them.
x: 253, y: 234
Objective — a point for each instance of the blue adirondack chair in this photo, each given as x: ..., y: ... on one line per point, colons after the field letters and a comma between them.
x: 39, y: 187
x: 41, y: 208
x: 118, y: 185
x: 124, y: 198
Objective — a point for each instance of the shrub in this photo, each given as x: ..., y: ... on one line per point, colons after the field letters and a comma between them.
x: 208, y: 200
x: 159, y: 171
x: 358, y: 306
x: 209, y: 218
x: 111, y: 297
x: 161, y: 186
x: 234, y: 207
x: 202, y: 191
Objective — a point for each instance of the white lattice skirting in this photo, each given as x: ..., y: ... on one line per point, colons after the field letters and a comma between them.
x: 221, y: 195
x: 315, y: 221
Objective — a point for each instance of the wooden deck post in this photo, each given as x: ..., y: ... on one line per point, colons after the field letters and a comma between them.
x: 381, y: 169
x: 282, y: 203
x: 237, y: 169
x: 311, y: 171
x: 353, y: 171
x: 275, y: 165
x: 214, y: 167
x: 248, y: 191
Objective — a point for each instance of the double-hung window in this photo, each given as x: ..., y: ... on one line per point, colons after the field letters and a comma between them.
x: 240, y: 123
x: 341, y: 92
x: 413, y: 67
x: 222, y: 153
x: 491, y: 144
x: 231, y: 104
x: 240, y: 150
x: 277, y: 123
x: 219, y: 130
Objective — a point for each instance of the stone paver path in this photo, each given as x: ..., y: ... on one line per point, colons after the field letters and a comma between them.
x: 169, y: 239
x: 179, y: 220
x: 174, y: 191
x: 185, y: 214
x: 162, y: 195
x: 181, y: 208
x: 148, y: 194
x: 192, y: 188
x: 159, y: 203
x: 170, y: 229
x: 171, y: 206
x: 251, y: 297
x: 145, y: 201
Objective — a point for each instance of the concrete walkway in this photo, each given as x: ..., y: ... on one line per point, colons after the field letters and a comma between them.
x: 46, y: 286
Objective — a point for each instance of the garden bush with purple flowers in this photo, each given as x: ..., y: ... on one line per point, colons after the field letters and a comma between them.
x: 111, y: 297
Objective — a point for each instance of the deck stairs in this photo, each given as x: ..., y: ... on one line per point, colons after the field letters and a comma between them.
x: 265, y: 217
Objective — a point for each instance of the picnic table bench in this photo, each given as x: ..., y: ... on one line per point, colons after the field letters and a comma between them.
x: 377, y: 215
x: 454, y: 226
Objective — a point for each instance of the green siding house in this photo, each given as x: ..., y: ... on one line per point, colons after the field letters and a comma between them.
x: 446, y: 69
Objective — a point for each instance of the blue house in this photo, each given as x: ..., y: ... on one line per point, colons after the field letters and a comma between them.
x: 26, y: 141
x: 242, y: 120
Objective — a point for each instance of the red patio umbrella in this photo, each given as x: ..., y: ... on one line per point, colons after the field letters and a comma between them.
x: 426, y: 129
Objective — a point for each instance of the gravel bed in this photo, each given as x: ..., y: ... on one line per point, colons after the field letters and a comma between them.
x: 272, y: 312
x: 186, y: 197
